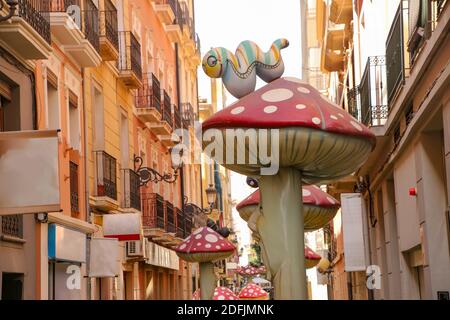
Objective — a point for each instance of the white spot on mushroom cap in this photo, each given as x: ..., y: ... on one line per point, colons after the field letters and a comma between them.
x: 306, y: 193
x: 183, y: 246
x: 304, y: 90
x: 211, y: 238
x: 208, y: 246
x: 199, y: 236
x: 356, y: 125
x: 221, y: 298
x: 277, y: 95
x: 237, y: 110
x: 333, y: 117
x: 316, y: 120
x: 300, y: 106
x: 270, y: 109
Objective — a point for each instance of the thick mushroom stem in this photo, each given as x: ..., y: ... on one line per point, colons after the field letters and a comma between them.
x: 253, y: 225
x: 281, y: 229
x: 207, y: 280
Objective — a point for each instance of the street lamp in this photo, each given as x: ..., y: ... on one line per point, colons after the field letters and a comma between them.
x: 12, y: 9
x: 147, y: 174
x: 211, y: 196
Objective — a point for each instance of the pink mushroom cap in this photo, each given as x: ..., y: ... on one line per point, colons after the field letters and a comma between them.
x: 253, y: 292
x: 319, y: 207
x: 204, y: 245
x: 223, y: 293
x: 316, y: 136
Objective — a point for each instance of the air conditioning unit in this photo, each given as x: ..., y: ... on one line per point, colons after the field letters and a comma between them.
x: 136, y: 248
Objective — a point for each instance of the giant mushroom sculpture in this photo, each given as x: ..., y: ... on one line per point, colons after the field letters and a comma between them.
x: 316, y: 141
x: 312, y: 259
x: 205, y: 246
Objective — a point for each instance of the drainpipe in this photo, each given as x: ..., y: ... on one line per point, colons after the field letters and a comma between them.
x: 177, y: 73
x: 86, y: 177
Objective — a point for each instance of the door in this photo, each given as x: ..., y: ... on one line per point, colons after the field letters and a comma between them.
x: 12, y: 286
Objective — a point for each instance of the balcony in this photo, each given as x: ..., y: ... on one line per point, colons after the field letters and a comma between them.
x: 74, y: 196
x: 174, y: 29
x: 188, y: 115
x: 106, y: 182
x: 180, y: 224
x: 131, y: 187
x: 395, y: 56
x: 109, y: 34
x: 374, y: 104
x: 27, y: 34
x: 166, y: 10
x: 333, y: 52
x: 164, y: 126
x: 129, y: 64
x: 148, y: 100
x: 341, y: 11
x: 77, y: 30
x: 153, y: 216
x: 177, y: 117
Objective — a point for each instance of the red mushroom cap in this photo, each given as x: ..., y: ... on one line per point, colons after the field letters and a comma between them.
x: 204, y: 245
x: 314, y: 135
x: 312, y: 259
x: 310, y: 254
x: 223, y: 293
x: 248, y: 271
x: 312, y: 195
x: 252, y: 291
x: 288, y: 102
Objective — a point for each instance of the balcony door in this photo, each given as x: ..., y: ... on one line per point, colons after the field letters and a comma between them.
x: 124, y: 141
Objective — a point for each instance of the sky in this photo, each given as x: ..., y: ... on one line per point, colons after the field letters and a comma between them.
x: 225, y: 23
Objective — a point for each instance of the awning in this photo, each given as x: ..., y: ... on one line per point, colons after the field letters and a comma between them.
x: 122, y: 226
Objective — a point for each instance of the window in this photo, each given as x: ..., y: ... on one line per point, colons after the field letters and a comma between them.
x: 52, y: 106
x: 74, y: 122
x: 12, y: 286
x: 98, y: 125
x: 124, y: 141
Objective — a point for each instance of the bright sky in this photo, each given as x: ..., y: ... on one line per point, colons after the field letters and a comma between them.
x: 225, y: 23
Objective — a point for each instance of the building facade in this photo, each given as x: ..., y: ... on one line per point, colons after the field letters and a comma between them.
x: 388, y: 65
x: 116, y: 78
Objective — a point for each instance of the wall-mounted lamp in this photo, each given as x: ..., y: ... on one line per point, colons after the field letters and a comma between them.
x: 41, y: 217
x: 147, y: 174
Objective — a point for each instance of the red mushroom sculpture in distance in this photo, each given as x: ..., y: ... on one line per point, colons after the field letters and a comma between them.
x: 312, y: 259
x: 205, y: 246
x: 315, y: 140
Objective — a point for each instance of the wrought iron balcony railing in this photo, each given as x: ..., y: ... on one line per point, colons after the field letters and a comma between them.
x: 153, y: 211
x: 33, y: 12
x: 188, y: 224
x: 167, y: 109
x: 177, y: 117
x: 130, y: 53
x: 180, y: 223
x: 131, y: 187
x: 373, y: 93
x: 149, y: 95
x: 170, y: 214
x: 106, y: 176
x: 188, y: 115
x: 91, y: 22
x: 12, y: 226
x: 395, y: 55
x: 74, y: 192
x: 109, y: 24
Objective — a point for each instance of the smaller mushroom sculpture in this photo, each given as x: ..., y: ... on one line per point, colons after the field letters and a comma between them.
x: 205, y: 246
x: 223, y: 293
x: 253, y: 292
x: 312, y: 259
x: 248, y: 271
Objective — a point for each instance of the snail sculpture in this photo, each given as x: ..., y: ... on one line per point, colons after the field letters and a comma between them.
x: 238, y: 71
